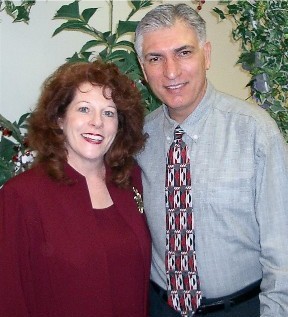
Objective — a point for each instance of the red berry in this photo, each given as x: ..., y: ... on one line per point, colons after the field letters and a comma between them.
x: 7, y: 132
x: 15, y: 158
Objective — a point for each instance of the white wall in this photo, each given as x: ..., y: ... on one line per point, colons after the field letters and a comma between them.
x: 29, y: 53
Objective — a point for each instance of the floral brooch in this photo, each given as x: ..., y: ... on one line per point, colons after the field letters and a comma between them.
x: 138, y: 200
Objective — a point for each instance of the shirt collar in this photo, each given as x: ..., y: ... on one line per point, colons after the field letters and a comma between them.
x: 190, y: 124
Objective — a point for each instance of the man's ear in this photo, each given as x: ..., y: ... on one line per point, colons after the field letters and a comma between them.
x: 142, y: 67
x: 207, y: 54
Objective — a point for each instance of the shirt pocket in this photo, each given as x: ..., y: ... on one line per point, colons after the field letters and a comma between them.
x: 231, y: 189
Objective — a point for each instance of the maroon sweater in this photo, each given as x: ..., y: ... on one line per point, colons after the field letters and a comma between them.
x: 61, y: 258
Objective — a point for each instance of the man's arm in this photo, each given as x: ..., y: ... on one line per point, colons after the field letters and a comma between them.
x: 271, y: 207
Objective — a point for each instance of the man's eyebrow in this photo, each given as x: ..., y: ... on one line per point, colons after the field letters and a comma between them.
x: 175, y: 50
x: 151, y: 54
x: 184, y: 47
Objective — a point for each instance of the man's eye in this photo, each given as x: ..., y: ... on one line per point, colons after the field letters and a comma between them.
x: 185, y: 53
x: 83, y: 109
x: 154, y: 59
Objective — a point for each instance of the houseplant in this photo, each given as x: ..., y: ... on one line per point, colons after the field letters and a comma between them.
x: 254, y: 23
x: 113, y: 47
x: 19, y: 12
x: 15, y: 155
x: 261, y: 27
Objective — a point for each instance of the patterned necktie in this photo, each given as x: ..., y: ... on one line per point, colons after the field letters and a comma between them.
x: 183, y: 285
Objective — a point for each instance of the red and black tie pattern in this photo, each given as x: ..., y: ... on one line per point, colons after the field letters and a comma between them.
x: 183, y: 286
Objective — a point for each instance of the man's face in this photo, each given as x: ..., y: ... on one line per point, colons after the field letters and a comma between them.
x: 174, y: 64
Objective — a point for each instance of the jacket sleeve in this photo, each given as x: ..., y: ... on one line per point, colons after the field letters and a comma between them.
x: 14, y: 263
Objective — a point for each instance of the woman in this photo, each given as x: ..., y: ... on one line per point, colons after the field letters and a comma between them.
x: 73, y: 236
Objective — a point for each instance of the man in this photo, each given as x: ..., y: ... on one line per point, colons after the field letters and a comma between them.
x: 239, y: 191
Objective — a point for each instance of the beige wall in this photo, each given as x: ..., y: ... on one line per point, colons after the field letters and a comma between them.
x: 29, y: 53
x: 224, y: 73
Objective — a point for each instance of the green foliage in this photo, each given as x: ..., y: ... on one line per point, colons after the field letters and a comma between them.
x: 20, y: 13
x: 15, y: 156
x: 262, y: 28
x: 113, y: 48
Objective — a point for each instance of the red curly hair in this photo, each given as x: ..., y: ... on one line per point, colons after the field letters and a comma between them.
x: 46, y: 137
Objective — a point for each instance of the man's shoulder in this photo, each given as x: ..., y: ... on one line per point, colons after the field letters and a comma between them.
x: 153, y: 119
x: 235, y: 106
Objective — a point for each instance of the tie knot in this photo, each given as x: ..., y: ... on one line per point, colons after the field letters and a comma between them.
x: 178, y: 133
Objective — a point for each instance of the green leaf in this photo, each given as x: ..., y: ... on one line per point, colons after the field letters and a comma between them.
x: 91, y: 44
x: 124, y: 43
x: 111, y: 40
x: 6, y: 171
x: 70, y: 11
x: 76, y: 57
x: 277, y: 106
x: 7, y: 149
x: 232, y: 8
x: 220, y: 13
x: 72, y: 26
x: 9, y: 5
x: 103, y: 54
x: 128, y: 64
x: 126, y: 27
x: 88, y: 13
x: 22, y: 14
x: 106, y: 35
x: 12, y: 127
x: 28, y: 3
x: 141, y: 4
x: 86, y: 56
x: 10, y: 8
x: 116, y: 55
x: 22, y: 120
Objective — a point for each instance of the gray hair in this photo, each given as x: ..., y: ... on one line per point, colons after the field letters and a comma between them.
x: 165, y: 16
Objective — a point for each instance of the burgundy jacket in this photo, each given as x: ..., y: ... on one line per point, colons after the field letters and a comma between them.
x: 51, y: 257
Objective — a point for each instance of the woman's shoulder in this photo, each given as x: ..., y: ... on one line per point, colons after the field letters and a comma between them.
x: 31, y: 177
x: 136, y: 177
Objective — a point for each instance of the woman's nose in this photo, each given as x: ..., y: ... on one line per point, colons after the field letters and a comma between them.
x: 96, y: 120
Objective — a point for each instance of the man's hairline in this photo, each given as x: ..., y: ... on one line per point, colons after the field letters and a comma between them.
x: 201, y: 42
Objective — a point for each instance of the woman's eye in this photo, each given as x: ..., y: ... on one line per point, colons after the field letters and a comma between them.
x: 109, y: 113
x: 83, y: 109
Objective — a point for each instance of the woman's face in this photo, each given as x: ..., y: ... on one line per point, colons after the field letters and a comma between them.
x: 90, y: 125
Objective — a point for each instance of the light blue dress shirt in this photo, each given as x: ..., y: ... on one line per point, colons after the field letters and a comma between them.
x: 239, y: 170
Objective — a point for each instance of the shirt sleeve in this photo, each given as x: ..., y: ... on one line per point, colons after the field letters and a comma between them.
x: 14, y: 267
x: 271, y: 207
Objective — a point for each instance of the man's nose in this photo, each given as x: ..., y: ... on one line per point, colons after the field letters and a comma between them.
x: 172, y: 68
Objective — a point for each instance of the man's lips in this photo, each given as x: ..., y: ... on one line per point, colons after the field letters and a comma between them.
x: 93, y: 138
x: 175, y: 86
